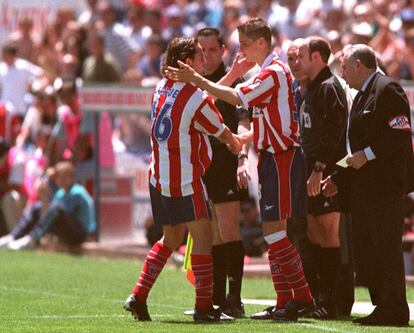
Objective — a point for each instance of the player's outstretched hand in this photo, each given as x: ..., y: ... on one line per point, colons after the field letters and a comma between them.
x: 235, y: 146
x: 243, y: 174
x: 246, y: 137
x: 184, y: 74
x: 241, y: 65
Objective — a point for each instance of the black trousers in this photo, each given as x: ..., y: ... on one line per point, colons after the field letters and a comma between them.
x: 56, y: 221
x: 377, y: 234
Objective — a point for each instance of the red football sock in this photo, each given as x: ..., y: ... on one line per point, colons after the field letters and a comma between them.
x: 153, y: 265
x: 281, y: 285
x: 202, y: 266
x: 291, y: 266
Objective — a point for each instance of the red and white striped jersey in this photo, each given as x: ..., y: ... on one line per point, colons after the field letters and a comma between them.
x: 181, y: 118
x: 270, y: 94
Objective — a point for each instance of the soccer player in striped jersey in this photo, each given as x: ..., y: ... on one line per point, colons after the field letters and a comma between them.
x: 281, y: 166
x: 181, y: 118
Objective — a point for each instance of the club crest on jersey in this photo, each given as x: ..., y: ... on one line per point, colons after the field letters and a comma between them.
x: 399, y: 122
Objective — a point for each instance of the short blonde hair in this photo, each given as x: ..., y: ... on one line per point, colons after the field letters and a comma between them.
x: 65, y: 168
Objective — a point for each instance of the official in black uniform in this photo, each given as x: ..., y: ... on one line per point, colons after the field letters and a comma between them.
x: 380, y: 152
x: 223, y: 190
x: 323, y: 127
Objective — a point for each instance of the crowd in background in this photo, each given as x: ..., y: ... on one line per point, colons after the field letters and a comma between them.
x: 122, y: 41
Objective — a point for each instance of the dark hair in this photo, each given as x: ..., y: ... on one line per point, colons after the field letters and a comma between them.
x: 320, y: 45
x: 10, y: 48
x: 255, y: 28
x: 365, y: 54
x: 179, y: 49
x: 207, y: 32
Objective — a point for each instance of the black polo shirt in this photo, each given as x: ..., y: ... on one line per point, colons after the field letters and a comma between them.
x: 323, y: 119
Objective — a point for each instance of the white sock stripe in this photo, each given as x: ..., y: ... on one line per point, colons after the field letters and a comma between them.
x: 144, y: 276
x: 202, y: 265
x: 288, y: 262
x: 281, y: 283
x: 298, y: 280
x: 203, y: 276
x: 302, y: 287
x: 282, y: 250
x: 158, y: 254
x: 289, y: 276
x: 155, y: 261
x: 286, y: 255
x: 141, y: 285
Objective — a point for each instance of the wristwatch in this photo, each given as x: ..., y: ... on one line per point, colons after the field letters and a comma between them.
x: 318, y: 167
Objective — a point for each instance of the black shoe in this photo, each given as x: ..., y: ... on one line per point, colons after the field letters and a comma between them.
x: 324, y: 310
x: 138, y: 310
x: 233, y: 307
x: 377, y: 318
x: 211, y: 315
x: 293, y: 310
x: 266, y: 314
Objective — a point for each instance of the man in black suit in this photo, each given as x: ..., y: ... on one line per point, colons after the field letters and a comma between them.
x: 379, y: 152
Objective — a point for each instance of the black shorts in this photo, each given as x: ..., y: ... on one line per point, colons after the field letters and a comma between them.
x: 173, y: 211
x: 320, y: 204
x: 221, y: 177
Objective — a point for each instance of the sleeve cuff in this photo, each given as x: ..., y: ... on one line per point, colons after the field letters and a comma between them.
x: 369, y: 154
x: 220, y: 131
x: 242, y: 97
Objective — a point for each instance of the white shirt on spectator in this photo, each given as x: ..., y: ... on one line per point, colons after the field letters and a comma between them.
x: 15, y: 81
x: 118, y: 45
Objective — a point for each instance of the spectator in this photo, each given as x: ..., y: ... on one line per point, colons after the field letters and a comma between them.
x: 71, y: 215
x: 15, y: 77
x: 25, y: 39
x: 116, y: 43
x: 99, y: 66
x: 151, y: 61
x: 45, y: 53
x: 66, y: 130
x: 12, y: 194
x: 45, y: 189
x: 175, y: 26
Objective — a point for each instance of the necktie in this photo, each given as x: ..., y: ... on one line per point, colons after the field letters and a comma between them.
x: 357, y: 100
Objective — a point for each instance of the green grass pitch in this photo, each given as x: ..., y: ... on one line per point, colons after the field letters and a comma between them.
x: 43, y: 292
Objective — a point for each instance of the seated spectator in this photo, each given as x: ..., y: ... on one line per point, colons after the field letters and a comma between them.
x: 251, y: 229
x: 71, y: 215
x: 45, y: 188
x: 12, y: 193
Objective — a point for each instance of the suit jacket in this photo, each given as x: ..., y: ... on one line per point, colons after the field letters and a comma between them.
x: 381, y: 120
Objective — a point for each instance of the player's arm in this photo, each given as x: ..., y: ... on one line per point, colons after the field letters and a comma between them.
x: 188, y: 74
x: 232, y: 141
x: 243, y: 175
